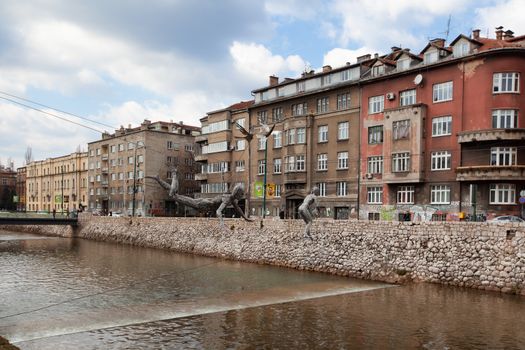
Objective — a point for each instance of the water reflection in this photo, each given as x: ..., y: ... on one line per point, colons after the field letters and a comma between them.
x: 407, y: 317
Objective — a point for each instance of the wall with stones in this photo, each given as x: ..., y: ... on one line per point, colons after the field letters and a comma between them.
x: 469, y: 254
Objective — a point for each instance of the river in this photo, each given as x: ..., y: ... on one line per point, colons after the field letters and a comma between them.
x: 62, y: 293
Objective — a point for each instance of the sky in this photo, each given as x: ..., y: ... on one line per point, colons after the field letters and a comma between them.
x: 118, y: 62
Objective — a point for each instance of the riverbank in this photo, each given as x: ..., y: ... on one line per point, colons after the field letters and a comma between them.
x: 475, y: 255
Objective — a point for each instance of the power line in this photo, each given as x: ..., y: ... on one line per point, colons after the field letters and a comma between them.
x: 51, y: 114
x: 56, y: 109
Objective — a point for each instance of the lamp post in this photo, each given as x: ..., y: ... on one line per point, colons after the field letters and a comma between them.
x: 265, y: 175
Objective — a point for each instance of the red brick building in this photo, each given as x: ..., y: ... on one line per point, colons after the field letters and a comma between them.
x: 443, y: 131
x: 7, y: 188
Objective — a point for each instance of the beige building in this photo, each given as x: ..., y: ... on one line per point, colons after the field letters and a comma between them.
x: 224, y: 156
x: 315, y: 143
x: 57, y: 183
x: 120, y: 162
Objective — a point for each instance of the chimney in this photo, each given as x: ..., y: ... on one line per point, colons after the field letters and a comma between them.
x: 274, y: 80
x: 438, y: 42
x: 327, y: 68
x: 376, y: 55
x: 509, y: 34
x: 395, y: 48
x: 499, y: 33
x: 475, y: 34
x: 363, y: 58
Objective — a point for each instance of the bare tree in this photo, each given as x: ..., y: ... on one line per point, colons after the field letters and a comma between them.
x: 29, y: 155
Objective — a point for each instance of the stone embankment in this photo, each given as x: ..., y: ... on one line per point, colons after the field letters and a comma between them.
x: 476, y: 255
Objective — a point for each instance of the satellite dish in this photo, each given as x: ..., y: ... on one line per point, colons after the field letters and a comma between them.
x: 418, y: 79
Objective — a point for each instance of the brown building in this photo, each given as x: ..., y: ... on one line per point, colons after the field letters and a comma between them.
x: 57, y: 183
x: 443, y: 130
x: 21, y: 188
x: 314, y: 143
x: 7, y: 188
x: 224, y: 153
x: 120, y: 162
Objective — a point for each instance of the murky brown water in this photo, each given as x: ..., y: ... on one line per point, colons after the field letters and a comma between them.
x: 95, y: 295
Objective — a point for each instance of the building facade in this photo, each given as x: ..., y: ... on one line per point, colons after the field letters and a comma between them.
x: 120, y: 162
x: 21, y: 175
x: 7, y: 188
x: 57, y: 183
x: 442, y: 131
x: 224, y: 150
x: 313, y: 143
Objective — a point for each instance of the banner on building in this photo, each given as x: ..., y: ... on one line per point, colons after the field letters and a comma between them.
x: 15, y: 199
x: 58, y: 198
x: 270, y: 190
x: 258, y: 189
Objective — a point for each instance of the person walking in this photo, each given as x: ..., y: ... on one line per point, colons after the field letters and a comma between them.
x: 54, y: 213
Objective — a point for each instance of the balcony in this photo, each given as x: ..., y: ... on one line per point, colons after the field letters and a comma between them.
x: 105, y: 156
x: 201, y: 157
x: 201, y: 176
x: 105, y: 170
x: 104, y: 184
x: 201, y: 138
x: 403, y: 177
x: 491, y: 135
x: 490, y: 172
x: 294, y: 177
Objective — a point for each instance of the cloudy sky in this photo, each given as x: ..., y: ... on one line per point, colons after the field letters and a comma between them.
x: 118, y: 62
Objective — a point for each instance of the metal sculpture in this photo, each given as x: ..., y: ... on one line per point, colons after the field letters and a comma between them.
x: 205, y: 205
x: 308, y: 210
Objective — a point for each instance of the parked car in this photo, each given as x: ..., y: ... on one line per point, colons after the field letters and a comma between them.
x: 507, y: 218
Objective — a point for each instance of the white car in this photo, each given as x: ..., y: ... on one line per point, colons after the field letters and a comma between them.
x: 507, y: 218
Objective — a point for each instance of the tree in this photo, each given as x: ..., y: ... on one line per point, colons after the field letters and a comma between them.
x: 29, y: 155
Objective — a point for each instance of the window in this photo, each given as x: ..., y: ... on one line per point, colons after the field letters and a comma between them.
x: 262, y: 117
x: 342, y: 131
x: 376, y: 104
x: 322, y: 161
x: 98, y: 178
x: 374, y: 195
x: 277, y: 114
x: 440, y: 160
x: 169, y: 144
x: 239, y: 165
x: 401, y: 129
x: 121, y: 147
x: 375, y: 134
x: 240, y: 122
x: 378, y: 70
x: 215, y: 147
x: 375, y: 165
x: 400, y: 162
x: 502, y: 194
x: 431, y: 57
x: 188, y: 147
x: 277, y: 139
x: 121, y: 176
x: 440, y: 194
x: 98, y: 165
x: 240, y: 145
x: 289, y: 163
x: 403, y: 64
x: 290, y: 136
x: 277, y: 162
x: 345, y: 75
x: 322, y: 133
x: 341, y: 188
x: 442, y: 126
x: 91, y: 153
x: 130, y: 174
x: 130, y: 160
x: 261, y: 167
x: 342, y: 160
x: 131, y: 145
x: 501, y: 156
x: 374, y: 216
x: 299, y: 109
x: 442, y: 92
x: 405, y: 195
x: 322, y: 189
x: 300, y: 163
x: 113, y: 148
x: 301, y: 86
x: 506, y: 82
x: 301, y: 135
x: 461, y: 49
x: 98, y: 151
x: 262, y: 143
x: 407, y: 97
x: 322, y: 105
x: 278, y: 190
x: 326, y: 80
x: 343, y: 101
x: 505, y: 119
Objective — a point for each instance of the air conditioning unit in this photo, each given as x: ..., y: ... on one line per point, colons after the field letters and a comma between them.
x: 369, y: 176
x: 390, y: 96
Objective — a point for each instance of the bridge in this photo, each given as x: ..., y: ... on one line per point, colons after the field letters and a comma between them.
x: 28, y: 219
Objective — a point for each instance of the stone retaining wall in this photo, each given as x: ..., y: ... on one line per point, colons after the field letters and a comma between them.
x: 476, y: 255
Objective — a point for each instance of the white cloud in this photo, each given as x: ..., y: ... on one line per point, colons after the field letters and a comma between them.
x: 338, y: 57
x: 296, y: 9
x: 257, y: 62
x: 508, y: 14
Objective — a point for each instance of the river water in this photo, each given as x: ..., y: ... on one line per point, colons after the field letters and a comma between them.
x: 60, y: 293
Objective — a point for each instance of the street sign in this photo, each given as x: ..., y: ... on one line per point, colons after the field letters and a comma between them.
x: 522, y: 193
x: 522, y: 200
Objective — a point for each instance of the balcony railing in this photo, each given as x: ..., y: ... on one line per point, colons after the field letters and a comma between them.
x: 201, y: 157
x: 201, y: 176
x: 490, y: 172
x: 491, y: 135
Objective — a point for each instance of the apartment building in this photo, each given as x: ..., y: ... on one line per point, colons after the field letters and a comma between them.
x: 57, y: 183
x: 120, y: 162
x: 7, y: 188
x: 224, y: 151
x: 21, y: 174
x: 314, y: 143
x: 443, y: 130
